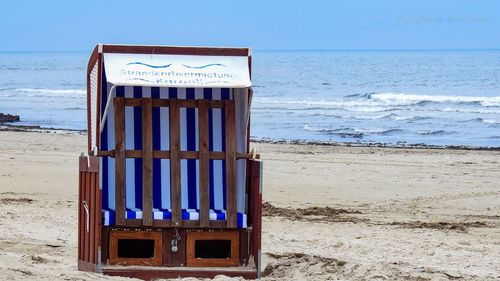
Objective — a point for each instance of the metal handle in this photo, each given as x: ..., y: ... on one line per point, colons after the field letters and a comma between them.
x: 87, y: 222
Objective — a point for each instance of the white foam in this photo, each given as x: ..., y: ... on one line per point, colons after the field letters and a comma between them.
x: 410, y: 99
x: 44, y: 92
x: 347, y: 130
x: 490, y: 121
x: 376, y: 100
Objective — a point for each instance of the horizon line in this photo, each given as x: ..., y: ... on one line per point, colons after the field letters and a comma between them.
x: 287, y: 50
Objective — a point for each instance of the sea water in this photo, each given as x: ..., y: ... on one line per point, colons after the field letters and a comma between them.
x: 435, y: 97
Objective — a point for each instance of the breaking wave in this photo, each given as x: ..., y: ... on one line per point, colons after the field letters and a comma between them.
x: 42, y: 92
x: 347, y: 132
x: 434, y: 132
x: 484, y: 120
x: 411, y: 99
x: 387, y: 102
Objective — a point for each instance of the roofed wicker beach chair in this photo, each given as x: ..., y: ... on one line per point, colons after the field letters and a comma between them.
x: 170, y: 187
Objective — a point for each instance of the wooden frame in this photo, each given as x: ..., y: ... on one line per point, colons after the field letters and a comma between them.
x: 116, y: 235
x: 192, y: 237
x: 175, y: 155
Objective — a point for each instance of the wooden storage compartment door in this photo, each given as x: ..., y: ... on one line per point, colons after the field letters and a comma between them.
x: 135, y: 247
x: 89, y: 215
x: 213, y: 249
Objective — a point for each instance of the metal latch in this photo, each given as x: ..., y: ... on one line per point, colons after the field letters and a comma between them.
x: 174, y: 241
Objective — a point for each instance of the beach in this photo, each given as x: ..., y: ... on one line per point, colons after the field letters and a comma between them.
x: 332, y: 212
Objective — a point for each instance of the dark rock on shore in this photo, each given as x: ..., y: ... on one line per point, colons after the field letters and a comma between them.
x: 4, y: 118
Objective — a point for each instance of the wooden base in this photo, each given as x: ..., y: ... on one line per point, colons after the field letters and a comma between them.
x: 87, y: 266
x: 149, y: 273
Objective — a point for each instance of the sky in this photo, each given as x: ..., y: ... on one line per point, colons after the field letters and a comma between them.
x: 57, y: 25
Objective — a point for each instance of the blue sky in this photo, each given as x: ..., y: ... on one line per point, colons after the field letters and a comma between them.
x: 28, y: 25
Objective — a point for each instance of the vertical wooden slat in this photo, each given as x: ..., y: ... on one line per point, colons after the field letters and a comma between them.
x: 92, y: 206
x: 97, y: 217
x: 119, y: 160
x: 230, y: 164
x: 244, y: 247
x: 86, y: 235
x: 147, y: 162
x: 175, y: 171
x: 104, y: 245
x: 255, y: 207
x: 80, y: 215
x: 203, y: 163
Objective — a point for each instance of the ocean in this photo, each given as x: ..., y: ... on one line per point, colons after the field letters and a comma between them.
x: 433, y: 97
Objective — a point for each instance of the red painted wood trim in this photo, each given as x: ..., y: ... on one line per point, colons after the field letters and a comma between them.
x: 92, y: 60
x: 244, y: 246
x: 89, y: 133
x: 100, y: 66
x: 175, y: 50
x: 150, y: 273
x: 80, y: 216
x: 92, y: 209
x: 88, y: 242
x: 104, y: 243
x: 255, y: 207
x: 97, y: 219
x: 94, y: 164
x: 86, y: 235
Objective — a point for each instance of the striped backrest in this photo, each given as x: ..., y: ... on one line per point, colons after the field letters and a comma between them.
x: 188, y: 140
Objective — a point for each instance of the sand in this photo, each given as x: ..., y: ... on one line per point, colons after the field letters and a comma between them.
x: 332, y: 212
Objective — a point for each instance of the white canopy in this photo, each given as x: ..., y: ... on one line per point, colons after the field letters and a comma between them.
x: 156, y: 70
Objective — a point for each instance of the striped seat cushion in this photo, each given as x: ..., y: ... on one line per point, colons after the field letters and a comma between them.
x: 108, y: 218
